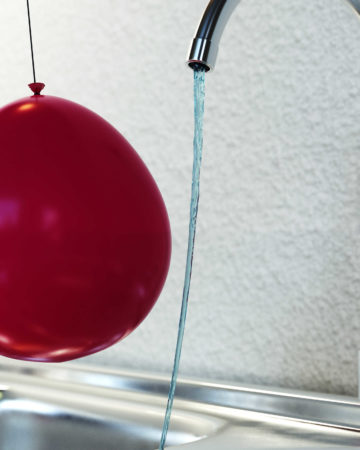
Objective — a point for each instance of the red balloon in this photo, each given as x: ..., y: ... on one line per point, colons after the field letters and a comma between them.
x: 84, y: 234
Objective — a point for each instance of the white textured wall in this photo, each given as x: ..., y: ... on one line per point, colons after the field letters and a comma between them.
x: 276, y: 294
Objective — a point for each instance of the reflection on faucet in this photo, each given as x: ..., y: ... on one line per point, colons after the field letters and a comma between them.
x: 205, y: 45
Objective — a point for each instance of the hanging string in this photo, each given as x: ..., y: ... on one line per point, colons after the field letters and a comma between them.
x: 31, y: 43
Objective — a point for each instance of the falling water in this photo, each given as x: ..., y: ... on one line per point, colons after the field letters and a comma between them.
x: 199, y: 96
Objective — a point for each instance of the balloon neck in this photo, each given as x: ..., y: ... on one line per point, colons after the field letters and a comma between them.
x: 36, y: 87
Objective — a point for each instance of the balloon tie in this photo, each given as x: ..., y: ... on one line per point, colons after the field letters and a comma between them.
x: 31, y: 43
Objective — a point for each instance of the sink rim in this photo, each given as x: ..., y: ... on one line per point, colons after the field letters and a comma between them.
x: 324, y: 409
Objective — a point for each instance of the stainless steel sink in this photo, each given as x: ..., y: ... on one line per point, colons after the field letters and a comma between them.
x: 76, y: 407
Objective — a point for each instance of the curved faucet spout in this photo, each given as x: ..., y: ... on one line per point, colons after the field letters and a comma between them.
x: 205, y: 44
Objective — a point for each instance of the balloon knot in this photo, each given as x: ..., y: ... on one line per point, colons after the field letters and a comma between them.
x: 36, y: 87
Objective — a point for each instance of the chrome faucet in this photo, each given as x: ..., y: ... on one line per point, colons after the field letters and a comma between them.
x: 205, y: 45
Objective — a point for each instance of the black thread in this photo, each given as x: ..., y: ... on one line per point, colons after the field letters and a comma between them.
x: 31, y: 43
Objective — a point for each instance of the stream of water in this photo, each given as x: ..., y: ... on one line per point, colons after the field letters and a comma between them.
x: 199, y: 97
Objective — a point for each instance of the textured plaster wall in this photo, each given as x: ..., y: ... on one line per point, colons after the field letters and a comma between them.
x: 276, y: 290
